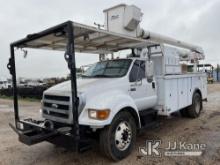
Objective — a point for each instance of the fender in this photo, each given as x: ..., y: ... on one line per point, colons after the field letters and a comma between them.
x: 115, y: 100
x: 197, y: 90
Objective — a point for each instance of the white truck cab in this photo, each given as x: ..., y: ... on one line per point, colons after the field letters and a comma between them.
x: 110, y: 85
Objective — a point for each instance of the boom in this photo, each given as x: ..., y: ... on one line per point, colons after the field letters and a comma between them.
x: 125, y: 19
x: 171, y: 41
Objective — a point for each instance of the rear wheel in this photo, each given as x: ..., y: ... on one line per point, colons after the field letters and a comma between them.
x: 194, y: 110
x: 184, y: 112
x: 117, y: 140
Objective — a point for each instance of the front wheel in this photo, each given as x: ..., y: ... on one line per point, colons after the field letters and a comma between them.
x: 118, y: 139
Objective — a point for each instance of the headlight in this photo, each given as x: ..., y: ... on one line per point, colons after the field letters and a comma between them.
x: 98, y: 114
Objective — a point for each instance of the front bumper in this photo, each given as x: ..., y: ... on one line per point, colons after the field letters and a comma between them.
x: 31, y: 132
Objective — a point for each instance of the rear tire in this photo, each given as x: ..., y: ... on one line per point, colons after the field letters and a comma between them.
x: 117, y: 140
x: 184, y: 112
x: 194, y: 110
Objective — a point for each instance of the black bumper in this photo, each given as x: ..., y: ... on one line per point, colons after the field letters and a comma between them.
x: 32, y: 133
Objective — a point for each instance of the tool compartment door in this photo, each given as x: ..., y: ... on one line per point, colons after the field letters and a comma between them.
x: 171, y: 95
x: 177, y: 93
x: 183, y: 92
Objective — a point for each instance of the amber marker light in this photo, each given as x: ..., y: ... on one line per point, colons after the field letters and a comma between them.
x: 98, y: 114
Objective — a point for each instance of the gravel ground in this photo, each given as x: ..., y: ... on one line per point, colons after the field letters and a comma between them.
x: 205, y: 129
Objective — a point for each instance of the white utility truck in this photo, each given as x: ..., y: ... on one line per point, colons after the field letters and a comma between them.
x: 117, y: 97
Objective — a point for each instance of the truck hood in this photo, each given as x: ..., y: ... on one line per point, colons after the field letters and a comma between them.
x: 88, y: 88
x: 83, y: 85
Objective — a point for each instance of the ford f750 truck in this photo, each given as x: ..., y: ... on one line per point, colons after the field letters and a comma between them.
x: 114, y: 98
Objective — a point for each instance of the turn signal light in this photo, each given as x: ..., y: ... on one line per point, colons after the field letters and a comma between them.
x: 99, y: 114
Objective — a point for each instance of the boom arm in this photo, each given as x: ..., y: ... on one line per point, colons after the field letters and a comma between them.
x: 168, y: 40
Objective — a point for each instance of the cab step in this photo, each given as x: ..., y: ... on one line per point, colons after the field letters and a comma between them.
x: 148, y: 119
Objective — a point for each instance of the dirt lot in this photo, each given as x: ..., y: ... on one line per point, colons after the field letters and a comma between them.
x: 205, y: 129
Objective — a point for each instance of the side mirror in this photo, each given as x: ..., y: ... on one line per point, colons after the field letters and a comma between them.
x: 149, y: 70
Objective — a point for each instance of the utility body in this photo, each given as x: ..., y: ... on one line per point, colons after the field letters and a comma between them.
x: 113, y: 99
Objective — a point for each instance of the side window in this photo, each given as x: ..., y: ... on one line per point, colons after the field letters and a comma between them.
x: 137, y: 71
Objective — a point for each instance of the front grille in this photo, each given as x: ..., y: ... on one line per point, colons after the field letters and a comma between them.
x: 56, y: 114
x: 59, y: 106
x: 58, y: 98
x: 56, y: 106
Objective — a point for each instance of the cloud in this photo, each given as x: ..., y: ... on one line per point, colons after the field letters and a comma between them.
x: 192, y: 21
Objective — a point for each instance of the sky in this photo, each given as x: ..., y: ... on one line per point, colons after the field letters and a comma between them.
x: 194, y: 21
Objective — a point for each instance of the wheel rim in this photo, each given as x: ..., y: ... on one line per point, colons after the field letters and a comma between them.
x: 123, y: 135
x: 197, y: 106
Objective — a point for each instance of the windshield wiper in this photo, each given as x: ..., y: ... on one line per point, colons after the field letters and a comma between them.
x: 102, y: 75
x: 84, y: 75
x: 98, y: 75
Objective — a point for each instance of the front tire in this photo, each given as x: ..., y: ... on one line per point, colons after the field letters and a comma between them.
x: 117, y: 140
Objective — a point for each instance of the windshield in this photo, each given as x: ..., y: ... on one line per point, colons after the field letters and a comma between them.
x: 110, y: 68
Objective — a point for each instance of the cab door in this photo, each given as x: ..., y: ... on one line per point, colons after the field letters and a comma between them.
x: 143, y: 92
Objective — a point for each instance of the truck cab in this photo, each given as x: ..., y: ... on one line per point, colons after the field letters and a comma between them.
x: 110, y: 84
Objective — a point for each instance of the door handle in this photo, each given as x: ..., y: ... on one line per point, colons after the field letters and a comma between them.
x: 132, y: 89
x: 153, y: 85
